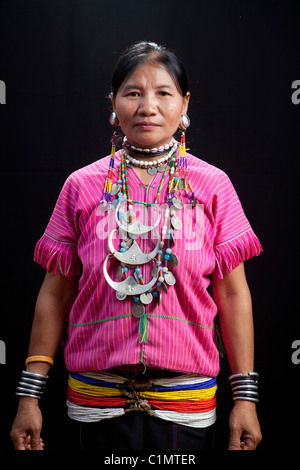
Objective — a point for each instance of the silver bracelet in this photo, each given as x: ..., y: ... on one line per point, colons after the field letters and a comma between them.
x: 245, y: 387
x: 31, y: 384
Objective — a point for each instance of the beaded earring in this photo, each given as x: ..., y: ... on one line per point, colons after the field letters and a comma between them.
x: 184, y: 179
x: 113, y: 119
x: 108, y: 188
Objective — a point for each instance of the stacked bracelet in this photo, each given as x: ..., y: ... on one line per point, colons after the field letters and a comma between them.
x: 245, y: 387
x: 31, y: 384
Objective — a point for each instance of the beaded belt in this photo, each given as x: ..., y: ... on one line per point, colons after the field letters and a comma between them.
x: 184, y: 399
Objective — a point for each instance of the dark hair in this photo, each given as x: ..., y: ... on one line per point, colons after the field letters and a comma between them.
x: 151, y: 52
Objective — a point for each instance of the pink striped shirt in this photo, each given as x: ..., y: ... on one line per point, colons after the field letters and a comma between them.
x: 102, y: 333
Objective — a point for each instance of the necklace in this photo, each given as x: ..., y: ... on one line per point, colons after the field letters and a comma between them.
x: 153, y: 166
x: 131, y: 271
x: 157, y: 151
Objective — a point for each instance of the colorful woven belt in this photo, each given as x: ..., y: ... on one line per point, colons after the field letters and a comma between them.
x: 188, y: 399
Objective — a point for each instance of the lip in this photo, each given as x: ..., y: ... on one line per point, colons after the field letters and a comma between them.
x: 147, y: 124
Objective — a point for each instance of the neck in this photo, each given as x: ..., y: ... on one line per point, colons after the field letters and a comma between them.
x: 147, y: 154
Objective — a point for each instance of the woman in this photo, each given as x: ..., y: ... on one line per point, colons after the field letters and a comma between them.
x: 132, y: 245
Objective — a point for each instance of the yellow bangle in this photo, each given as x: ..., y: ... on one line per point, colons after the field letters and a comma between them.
x: 39, y: 359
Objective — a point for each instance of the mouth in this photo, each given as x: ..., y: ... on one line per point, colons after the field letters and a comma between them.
x: 147, y: 124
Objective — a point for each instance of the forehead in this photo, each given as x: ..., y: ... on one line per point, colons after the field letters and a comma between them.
x: 153, y: 74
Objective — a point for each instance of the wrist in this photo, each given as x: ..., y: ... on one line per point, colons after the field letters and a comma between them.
x: 244, y: 387
x: 31, y: 385
x: 28, y: 402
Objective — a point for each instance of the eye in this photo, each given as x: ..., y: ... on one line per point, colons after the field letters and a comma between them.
x: 134, y: 94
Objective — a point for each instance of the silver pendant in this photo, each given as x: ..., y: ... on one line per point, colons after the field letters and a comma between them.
x: 114, y: 189
x: 155, y: 271
x: 170, y: 278
x: 160, y: 168
x: 146, y: 298
x: 177, y: 203
x: 181, y: 183
x: 164, y: 288
x: 136, y: 227
x: 129, y: 286
x: 119, y: 273
x: 138, y: 310
x: 152, y: 170
x: 133, y: 255
x: 176, y: 223
x: 174, y: 261
x: 114, y: 204
x: 121, y: 296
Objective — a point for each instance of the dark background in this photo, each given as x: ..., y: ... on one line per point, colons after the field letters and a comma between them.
x: 56, y: 59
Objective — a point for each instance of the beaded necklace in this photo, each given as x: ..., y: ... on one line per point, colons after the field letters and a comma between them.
x: 129, y: 254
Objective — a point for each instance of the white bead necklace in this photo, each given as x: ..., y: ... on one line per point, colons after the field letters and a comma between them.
x: 156, y: 151
x: 152, y: 166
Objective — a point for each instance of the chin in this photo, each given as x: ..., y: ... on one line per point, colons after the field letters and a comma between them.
x: 149, y: 141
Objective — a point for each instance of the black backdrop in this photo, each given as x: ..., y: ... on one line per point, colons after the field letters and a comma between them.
x: 242, y: 57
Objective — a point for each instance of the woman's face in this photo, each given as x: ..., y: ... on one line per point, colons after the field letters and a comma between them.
x: 149, y: 106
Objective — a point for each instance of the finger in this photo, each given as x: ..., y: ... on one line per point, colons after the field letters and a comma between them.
x: 248, y: 444
x: 36, y: 442
x: 234, y: 443
x: 19, y: 443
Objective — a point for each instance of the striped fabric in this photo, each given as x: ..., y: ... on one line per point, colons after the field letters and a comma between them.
x: 186, y: 399
x: 102, y: 333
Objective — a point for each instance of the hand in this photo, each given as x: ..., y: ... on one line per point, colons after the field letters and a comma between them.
x: 26, y: 429
x: 244, y: 427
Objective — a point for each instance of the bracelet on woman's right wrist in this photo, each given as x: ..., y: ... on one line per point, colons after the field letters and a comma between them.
x: 31, y: 384
x: 245, y: 387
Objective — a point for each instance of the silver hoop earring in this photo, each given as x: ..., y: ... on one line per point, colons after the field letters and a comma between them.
x: 185, y: 121
x: 113, y: 119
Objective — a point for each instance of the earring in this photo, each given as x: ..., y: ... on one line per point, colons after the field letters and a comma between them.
x: 113, y: 119
x: 185, y: 122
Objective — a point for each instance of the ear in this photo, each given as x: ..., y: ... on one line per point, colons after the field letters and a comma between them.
x: 186, y: 100
x: 112, y: 99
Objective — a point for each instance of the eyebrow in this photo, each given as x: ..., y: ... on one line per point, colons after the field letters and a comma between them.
x: 136, y: 87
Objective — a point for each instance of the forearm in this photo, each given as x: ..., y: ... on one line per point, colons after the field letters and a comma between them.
x: 233, y: 298
x: 47, y: 331
x: 236, y: 322
x: 52, y: 309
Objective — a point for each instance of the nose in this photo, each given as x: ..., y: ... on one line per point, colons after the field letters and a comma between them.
x: 147, y: 106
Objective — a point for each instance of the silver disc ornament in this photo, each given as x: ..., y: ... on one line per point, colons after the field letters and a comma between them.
x: 138, y: 310
x: 146, y: 298
x: 170, y: 278
x: 176, y: 223
x: 120, y: 296
x: 160, y: 168
x: 152, y: 170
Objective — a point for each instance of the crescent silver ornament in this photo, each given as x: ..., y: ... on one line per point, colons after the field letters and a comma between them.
x: 133, y: 255
x: 129, y: 286
x: 136, y: 227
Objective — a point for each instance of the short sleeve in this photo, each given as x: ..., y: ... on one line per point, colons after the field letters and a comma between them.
x: 57, y: 248
x: 235, y: 240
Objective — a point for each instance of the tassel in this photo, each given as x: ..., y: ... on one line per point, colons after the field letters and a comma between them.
x: 143, y: 362
x: 143, y: 329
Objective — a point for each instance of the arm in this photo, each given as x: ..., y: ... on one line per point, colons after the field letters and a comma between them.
x: 53, y: 305
x: 233, y: 299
